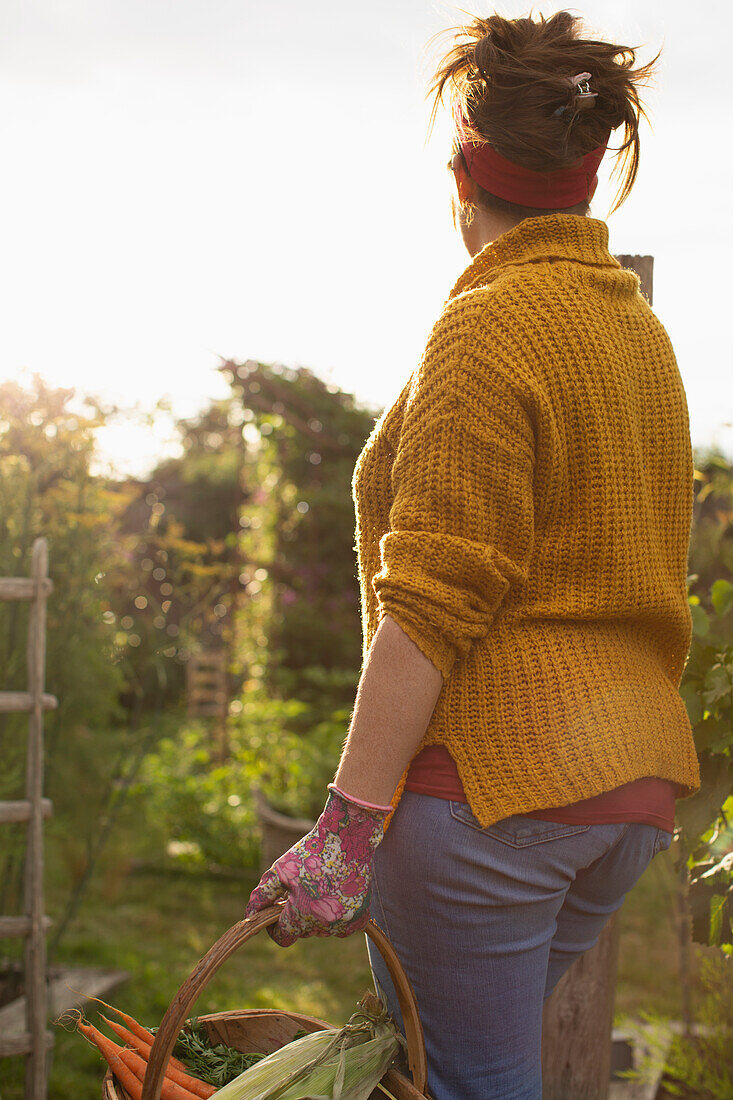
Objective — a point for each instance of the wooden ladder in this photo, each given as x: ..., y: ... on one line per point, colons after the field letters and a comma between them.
x: 35, y: 1041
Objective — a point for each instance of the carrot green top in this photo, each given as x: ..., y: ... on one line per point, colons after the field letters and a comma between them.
x: 523, y: 511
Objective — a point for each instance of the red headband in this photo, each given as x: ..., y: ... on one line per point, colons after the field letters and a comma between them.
x: 553, y: 190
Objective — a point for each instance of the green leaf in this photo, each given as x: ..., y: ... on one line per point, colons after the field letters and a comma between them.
x: 701, y: 656
x: 693, y: 702
x: 698, y: 903
x: 702, y: 734
x: 722, y: 596
x: 698, y: 812
x: 714, y: 735
x: 717, y: 906
x: 700, y: 622
x: 710, y: 906
x: 717, y: 685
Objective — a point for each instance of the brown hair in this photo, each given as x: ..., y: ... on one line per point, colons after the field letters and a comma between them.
x: 510, y: 76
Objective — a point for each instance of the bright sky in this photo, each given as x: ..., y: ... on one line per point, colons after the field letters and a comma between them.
x: 186, y: 179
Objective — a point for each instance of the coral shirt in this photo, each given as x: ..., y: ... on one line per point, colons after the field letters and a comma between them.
x: 649, y: 800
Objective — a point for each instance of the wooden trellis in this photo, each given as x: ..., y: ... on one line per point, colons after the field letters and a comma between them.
x: 206, y: 684
x: 35, y: 1041
x: 207, y: 693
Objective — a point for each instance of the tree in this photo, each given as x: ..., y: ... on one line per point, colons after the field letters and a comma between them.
x: 300, y: 610
x: 46, y: 447
x: 179, y: 584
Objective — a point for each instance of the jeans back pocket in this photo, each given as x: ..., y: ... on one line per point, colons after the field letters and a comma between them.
x: 519, y: 831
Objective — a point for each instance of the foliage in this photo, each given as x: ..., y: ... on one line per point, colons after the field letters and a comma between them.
x: 147, y: 571
x: 704, y: 830
x: 297, y: 526
x: 179, y: 585
x: 197, y: 804
x: 704, y: 819
x: 215, y: 1064
x: 202, y: 487
x: 701, y: 1066
x: 290, y: 749
x: 321, y: 688
x: 707, y: 690
x: 144, y: 569
x: 132, y: 590
x: 46, y: 448
x: 711, y: 546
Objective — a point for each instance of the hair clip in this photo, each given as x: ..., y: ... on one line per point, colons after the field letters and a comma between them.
x: 583, y: 97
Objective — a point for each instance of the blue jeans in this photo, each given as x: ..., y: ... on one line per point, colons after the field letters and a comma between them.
x: 485, y: 922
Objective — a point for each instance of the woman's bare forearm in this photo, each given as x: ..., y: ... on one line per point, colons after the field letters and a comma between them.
x: 397, y: 693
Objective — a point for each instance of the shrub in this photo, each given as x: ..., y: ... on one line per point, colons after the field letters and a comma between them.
x: 701, y: 1067
x: 289, y: 749
x: 198, y: 809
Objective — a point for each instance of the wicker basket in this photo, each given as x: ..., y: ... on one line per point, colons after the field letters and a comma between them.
x: 268, y: 1030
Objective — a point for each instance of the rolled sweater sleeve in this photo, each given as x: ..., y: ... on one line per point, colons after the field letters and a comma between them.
x: 461, y: 521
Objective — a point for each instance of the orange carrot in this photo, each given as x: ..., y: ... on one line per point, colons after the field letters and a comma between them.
x: 142, y: 1046
x: 130, y: 1068
x: 134, y: 1026
x: 198, y: 1088
x: 170, y: 1090
x: 138, y: 1030
x: 110, y: 1052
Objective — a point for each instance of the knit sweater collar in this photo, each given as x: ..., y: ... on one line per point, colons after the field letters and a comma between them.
x: 548, y: 237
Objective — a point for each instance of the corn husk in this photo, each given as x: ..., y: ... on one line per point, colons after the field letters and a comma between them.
x: 336, y: 1064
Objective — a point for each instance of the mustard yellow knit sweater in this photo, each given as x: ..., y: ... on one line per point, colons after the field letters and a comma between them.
x: 523, y: 512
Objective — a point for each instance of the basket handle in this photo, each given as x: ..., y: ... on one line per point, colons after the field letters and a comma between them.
x: 180, y: 1007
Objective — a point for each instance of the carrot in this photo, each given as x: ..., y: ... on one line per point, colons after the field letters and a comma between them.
x: 142, y: 1047
x: 138, y: 1030
x: 110, y: 1052
x: 170, y: 1090
x: 134, y: 1026
x: 130, y: 1068
x: 198, y: 1088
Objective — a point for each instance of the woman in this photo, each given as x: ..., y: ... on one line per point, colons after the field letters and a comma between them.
x: 523, y: 517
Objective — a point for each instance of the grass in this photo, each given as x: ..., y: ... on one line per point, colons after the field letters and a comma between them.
x: 157, y: 927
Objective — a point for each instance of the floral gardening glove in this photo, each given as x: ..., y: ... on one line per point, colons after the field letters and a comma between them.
x: 326, y: 876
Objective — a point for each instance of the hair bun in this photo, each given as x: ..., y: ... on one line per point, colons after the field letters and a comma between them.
x: 516, y: 83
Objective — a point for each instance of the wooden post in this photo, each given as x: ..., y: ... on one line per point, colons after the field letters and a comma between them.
x: 35, y: 944
x: 644, y: 268
x: 577, y: 1024
x: 578, y: 1018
